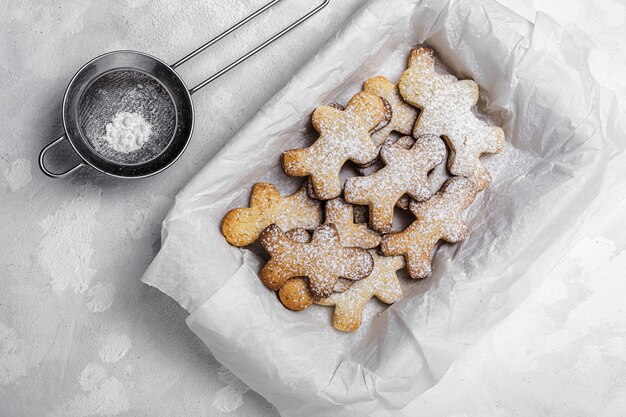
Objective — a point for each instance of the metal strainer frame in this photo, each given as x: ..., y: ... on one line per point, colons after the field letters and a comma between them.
x: 175, y: 86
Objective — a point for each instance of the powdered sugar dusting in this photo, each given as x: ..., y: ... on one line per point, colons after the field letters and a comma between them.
x: 344, y: 135
x: 403, y: 115
x: 327, y: 268
x: 16, y: 173
x: 356, y: 235
x: 323, y: 260
x: 65, y: 250
x: 242, y: 226
x: 13, y: 362
x: 382, y: 283
x: 406, y: 172
x: 230, y: 397
x: 101, y: 297
x: 437, y: 218
x: 445, y: 105
x: 115, y: 347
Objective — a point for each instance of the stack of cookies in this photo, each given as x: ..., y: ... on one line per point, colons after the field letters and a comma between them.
x: 333, y: 244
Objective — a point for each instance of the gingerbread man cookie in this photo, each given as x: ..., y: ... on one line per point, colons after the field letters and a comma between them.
x: 438, y: 218
x: 446, y: 105
x: 344, y: 135
x: 242, y: 226
x: 382, y: 283
x: 405, y: 172
x: 403, y: 115
x: 294, y: 294
x: 322, y: 260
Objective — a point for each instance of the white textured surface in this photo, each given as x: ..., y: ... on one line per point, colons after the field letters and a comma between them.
x: 79, y: 334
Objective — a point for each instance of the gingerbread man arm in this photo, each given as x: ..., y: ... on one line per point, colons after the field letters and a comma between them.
x: 455, y: 231
x: 414, y: 245
x: 302, y: 211
x: 422, y: 57
x: 296, y: 162
x: 418, y: 261
x: 391, y: 293
x: 274, y: 240
x: 264, y: 194
x: 322, y: 115
x: 369, y: 109
x: 466, y: 91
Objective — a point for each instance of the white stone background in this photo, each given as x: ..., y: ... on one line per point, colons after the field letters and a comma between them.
x: 80, y: 335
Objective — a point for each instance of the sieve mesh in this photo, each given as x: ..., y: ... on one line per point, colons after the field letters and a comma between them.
x: 127, y: 91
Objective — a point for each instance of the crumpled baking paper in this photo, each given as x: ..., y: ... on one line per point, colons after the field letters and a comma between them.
x: 563, y: 133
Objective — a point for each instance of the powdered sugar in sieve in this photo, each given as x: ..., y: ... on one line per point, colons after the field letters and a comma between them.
x: 132, y: 93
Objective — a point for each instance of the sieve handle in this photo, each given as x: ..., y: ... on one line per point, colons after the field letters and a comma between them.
x: 253, y: 51
x: 42, y: 164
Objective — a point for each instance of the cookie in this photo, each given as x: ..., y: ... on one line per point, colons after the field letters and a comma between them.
x: 405, y: 172
x: 344, y: 135
x: 403, y: 115
x: 382, y: 283
x: 351, y: 234
x: 323, y: 260
x: 437, y: 176
x: 446, y: 105
x: 294, y: 294
x: 242, y: 226
x: 438, y: 218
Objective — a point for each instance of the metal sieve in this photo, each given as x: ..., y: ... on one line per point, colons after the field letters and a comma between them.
x: 131, y: 81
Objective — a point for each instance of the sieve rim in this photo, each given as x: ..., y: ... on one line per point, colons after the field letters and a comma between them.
x: 88, y: 157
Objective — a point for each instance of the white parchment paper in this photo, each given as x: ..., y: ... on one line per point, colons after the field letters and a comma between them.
x: 562, y: 133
